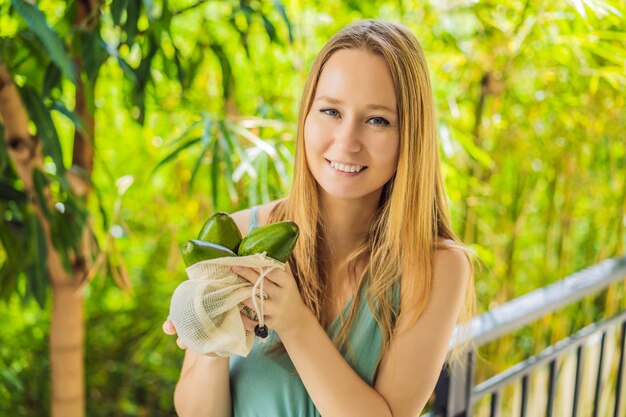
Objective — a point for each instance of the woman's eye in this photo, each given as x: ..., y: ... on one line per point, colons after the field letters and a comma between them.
x: 379, y: 121
x: 330, y: 112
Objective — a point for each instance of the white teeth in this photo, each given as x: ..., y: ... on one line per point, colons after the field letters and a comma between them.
x: 346, y: 168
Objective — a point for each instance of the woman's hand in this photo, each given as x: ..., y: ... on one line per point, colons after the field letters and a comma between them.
x: 168, y: 328
x: 284, y: 309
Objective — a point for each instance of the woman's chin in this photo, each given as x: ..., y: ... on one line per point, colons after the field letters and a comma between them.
x: 350, y: 194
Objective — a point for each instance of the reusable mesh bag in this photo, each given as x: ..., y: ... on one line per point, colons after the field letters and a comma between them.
x: 205, y: 308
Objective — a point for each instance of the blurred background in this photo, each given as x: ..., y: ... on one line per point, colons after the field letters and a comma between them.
x: 126, y: 123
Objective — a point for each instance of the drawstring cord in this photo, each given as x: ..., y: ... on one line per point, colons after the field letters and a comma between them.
x: 260, y: 329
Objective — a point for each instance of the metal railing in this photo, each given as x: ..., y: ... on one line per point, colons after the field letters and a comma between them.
x: 456, y: 392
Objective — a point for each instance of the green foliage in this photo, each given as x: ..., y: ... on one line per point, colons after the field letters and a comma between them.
x: 24, y: 360
x: 236, y: 152
x: 195, y: 107
x: 38, y: 25
x: 40, y: 115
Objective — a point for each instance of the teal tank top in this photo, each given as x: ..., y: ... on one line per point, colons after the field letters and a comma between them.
x: 263, y: 385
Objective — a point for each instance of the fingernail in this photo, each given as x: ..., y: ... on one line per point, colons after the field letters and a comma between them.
x: 236, y: 269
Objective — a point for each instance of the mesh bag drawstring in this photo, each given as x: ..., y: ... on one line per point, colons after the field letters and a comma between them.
x: 205, y: 309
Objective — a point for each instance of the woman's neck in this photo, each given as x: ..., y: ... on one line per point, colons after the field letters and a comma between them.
x: 347, y: 225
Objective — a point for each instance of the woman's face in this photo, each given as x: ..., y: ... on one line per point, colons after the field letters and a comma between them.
x: 351, y: 133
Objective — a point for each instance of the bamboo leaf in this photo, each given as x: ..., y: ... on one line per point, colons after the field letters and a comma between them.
x: 271, y: 30
x: 143, y: 76
x: 253, y: 187
x: 257, y: 141
x: 180, y: 70
x: 243, y: 33
x: 215, y: 173
x: 608, y: 34
x: 233, y: 142
x: 143, y: 71
x: 247, y: 11
x: 92, y: 51
x: 37, y: 270
x: 189, y: 129
x: 46, y: 130
x: 41, y: 182
x: 51, y: 79
x: 580, y: 7
x: 37, y: 23
x: 474, y: 151
x: 246, y: 165
x: 11, y: 380
x: 281, y: 169
x: 117, y: 8
x: 8, y: 193
x: 609, y: 52
x: 263, y: 169
x: 599, y: 7
x: 11, y: 242
x: 197, y: 164
x: 194, y: 63
x: 72, y: 219
x: 226, y: 69
x: 281, y: 9
x: 206, y: 139
x: 175, y: 153
x: 101, y: 209
x: 8, y: 279
x: 228, y: 162
x: 132, y: 16
x: 61, y: 240
x: 128, y: 70
x: 79, y: 124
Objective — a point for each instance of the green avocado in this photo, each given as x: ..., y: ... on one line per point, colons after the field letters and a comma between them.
x: 277, y: 239
x: 195, y: 251
x: 221, y: 229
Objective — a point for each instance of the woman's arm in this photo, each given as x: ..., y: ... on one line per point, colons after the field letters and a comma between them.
x: 408, y: 372
x: 204, y: 387
x: 335, y: 388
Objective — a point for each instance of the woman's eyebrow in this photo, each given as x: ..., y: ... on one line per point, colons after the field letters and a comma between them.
x: 369, y: 106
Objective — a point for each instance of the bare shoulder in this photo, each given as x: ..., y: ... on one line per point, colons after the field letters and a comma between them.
x: 242, y: 217
x: 451, y: 265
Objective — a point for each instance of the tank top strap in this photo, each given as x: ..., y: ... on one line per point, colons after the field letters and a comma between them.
x: 254, y: 218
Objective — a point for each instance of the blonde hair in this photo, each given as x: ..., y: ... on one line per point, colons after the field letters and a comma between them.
x: 393, y: 253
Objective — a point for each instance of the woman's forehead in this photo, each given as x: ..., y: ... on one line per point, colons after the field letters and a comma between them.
x: 359, y: 76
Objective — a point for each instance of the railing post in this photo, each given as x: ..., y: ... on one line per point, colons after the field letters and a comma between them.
x: 454, y: 388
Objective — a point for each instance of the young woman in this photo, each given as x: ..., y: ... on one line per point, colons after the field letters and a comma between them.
x: 361, y: 321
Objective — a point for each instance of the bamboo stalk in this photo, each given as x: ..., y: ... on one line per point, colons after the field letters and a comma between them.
x: 66, y: 333
x: 552, y: 189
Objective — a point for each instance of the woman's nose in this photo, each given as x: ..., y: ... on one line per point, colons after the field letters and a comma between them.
x: 347, y: 137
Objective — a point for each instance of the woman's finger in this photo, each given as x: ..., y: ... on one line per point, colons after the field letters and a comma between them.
x: 247, y: 309
x: 252, y: 276
x: 248, y: 324
x: 181, y: 344
x: 279, y: 278
x: 269, y: 307
x: 248, y: 274
x: 168, y: 328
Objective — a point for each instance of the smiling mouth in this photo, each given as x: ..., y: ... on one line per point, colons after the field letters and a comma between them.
x: 346, y: 168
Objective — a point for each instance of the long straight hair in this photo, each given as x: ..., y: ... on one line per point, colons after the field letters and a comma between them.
x: 412, y: 219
